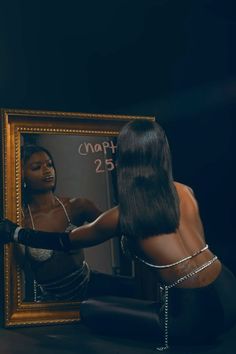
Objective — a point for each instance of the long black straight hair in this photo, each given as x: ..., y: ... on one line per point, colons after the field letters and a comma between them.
x: 148, y: 201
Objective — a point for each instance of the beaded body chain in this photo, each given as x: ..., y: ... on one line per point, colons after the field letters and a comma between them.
x: 126, y: 251
x: 166, y: 294
x: 175, y: 263
x: 165, y: 288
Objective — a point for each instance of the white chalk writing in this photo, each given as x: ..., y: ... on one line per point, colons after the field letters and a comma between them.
x: 105, y: 147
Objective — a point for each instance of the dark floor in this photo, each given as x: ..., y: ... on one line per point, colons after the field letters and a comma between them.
x: 69, y: 339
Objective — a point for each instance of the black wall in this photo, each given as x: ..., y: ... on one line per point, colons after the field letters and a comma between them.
x: 172, y: 59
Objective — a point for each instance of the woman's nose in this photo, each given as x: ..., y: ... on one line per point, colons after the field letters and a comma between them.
x: 46, y: 168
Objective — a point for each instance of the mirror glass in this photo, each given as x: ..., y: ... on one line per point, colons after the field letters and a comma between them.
x: 85, y: 167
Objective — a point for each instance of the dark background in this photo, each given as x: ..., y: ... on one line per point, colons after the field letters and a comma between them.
x: 172, y: 59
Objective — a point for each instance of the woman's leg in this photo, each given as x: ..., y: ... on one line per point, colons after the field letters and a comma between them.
x: 122, y: 316
x: 112, y: 307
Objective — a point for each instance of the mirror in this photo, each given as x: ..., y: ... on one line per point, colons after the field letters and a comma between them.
x: 83, y: 147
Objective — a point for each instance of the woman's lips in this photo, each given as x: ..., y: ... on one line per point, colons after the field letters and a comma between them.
x: 48, y: 179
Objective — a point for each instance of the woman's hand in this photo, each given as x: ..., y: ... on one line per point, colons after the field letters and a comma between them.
x: 11, y: 232
x: 7, y: 229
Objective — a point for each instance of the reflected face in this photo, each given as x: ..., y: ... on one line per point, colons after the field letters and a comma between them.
x: 39, y: 173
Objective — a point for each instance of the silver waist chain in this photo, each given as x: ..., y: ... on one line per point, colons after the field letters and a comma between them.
x: 174, y: 263
x: 166, y: 289
x: 69, y: 286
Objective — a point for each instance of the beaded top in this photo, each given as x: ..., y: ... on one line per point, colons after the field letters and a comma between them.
x: 42, y: 255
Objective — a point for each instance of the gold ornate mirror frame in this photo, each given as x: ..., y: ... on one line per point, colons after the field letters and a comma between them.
x: 13, y: 124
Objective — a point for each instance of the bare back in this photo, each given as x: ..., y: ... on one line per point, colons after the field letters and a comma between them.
x: 186, y: 241
x: 161, y: 249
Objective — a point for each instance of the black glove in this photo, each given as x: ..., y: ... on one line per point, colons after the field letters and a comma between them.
x: 58, y: 241
x: 7, y: 230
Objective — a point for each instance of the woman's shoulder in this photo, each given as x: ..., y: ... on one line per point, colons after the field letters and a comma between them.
x: 183, y: 188
x: 81, y: 209
x: 79, y: 201
x: 76, y: 202
x: 186, y: 196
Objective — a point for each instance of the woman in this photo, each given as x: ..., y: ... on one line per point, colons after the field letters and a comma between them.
x: 160, y: 221
x: 56, y: 275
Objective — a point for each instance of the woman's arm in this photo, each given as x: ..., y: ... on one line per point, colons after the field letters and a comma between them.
x: 102, y: 229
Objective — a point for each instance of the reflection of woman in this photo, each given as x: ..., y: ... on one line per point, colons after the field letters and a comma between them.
x: 162, y: 227
x: 54, y: 272
x: 57, y: 275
